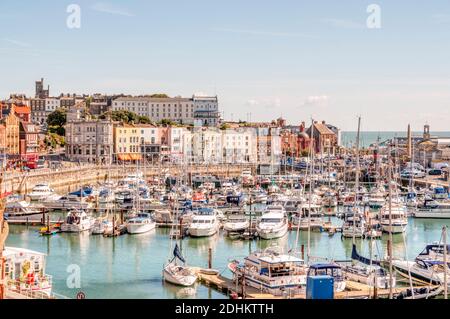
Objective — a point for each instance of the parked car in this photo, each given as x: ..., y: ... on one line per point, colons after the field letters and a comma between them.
x: 435, y: 172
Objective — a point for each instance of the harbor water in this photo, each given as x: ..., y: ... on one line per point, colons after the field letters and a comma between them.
x: 130, y: 266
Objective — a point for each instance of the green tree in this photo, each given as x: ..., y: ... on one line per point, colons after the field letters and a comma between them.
x: 159, y: 95
x: 56, y: 121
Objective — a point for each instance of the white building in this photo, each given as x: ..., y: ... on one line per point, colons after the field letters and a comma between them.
x: 51, y: 104
x: 239, y: 145
x: 212, y: 145
x: 206, y: 110
x: 178, y: 109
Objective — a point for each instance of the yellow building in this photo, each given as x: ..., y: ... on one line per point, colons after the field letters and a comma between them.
x: 127, y: 142
x: 12, y: 130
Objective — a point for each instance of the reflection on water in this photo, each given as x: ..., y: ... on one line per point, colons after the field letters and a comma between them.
x: 130, y: 266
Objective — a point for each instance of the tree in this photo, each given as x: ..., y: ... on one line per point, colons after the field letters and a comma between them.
x: 159, y: 95
x: 57, y: 118
x: 224, y: 126
x: 127, y: 117
x: 56, y: 121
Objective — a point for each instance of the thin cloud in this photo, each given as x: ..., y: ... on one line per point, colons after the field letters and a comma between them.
x: 269, y: 103
x: 263, y: 33
x: 343, y: 24
x: 17, y: 43
x: 316, y: 101
x: 111, y: 9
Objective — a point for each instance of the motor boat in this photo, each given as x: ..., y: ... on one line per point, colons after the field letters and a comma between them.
x: 77, y: 221
x: 21, y: 212
x: 309, y: 217
x: 273, y: 224
x: 140, y: 224
x: 271, y: 271
x: 41, y: 192
x: 329, y: 269
x: 236, y: 222
x: 433, y: 209
x: 101, y: 226
x: 67, y: 202
x: 204, y: 223
x: 394, y: 221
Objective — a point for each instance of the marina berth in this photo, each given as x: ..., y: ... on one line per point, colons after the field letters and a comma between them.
x: 433, y: 209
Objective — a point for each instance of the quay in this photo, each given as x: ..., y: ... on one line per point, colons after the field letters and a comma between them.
x: 71, y: 178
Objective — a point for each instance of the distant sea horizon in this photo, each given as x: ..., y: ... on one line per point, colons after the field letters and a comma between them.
x: 370, y: 137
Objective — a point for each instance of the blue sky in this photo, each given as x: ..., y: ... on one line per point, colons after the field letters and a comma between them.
x: 298, y: 59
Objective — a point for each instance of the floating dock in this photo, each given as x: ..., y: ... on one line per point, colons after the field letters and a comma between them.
x: 354, y: 290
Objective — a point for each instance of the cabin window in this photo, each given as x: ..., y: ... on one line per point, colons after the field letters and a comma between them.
x: 36, y: 265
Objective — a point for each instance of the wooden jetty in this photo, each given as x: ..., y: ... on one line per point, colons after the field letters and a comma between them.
x: 354, y: 290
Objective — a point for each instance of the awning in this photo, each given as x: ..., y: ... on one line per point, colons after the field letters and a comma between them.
x: 130, y: 157
x: 124, y: 157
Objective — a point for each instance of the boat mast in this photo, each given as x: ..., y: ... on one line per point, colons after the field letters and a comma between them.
x: 444, y: 233
x: 356, y: 179
x: 390, y: 225
x: 312, y: 150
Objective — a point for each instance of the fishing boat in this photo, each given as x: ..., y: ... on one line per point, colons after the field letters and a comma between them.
x: 41, y: 192
x: 77, y: 221
x: 271, y: 271
x: 176, y: 274
x: 140, y: 224
x: 204, y: 223
x: 273, y: 224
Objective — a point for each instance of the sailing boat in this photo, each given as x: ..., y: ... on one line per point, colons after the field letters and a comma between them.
x: 179, y: 274
x: 175, y: 273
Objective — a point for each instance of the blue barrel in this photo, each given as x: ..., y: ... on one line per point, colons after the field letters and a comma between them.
x: 320, y: 287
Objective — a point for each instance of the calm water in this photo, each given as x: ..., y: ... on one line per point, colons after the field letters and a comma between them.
x: 130, y: 266
x: 367, y: 138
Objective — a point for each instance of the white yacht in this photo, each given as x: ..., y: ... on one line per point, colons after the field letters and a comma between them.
x: 67, y: 202
x: 102, y: 226
x: 77, y: 221
x: 22, y: 211
x: 204, y: 223
x: 433, y: 209
x: 398, y: 222
x: 272, y: 272
x: 140, y: 224
x: 41, y: 192
x: 236, y: 222
x: 354, y: 224
x: 273, y: 224
x: 309, y: 217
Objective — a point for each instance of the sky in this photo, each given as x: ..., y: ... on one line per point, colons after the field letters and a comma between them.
x: 301, y: 60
